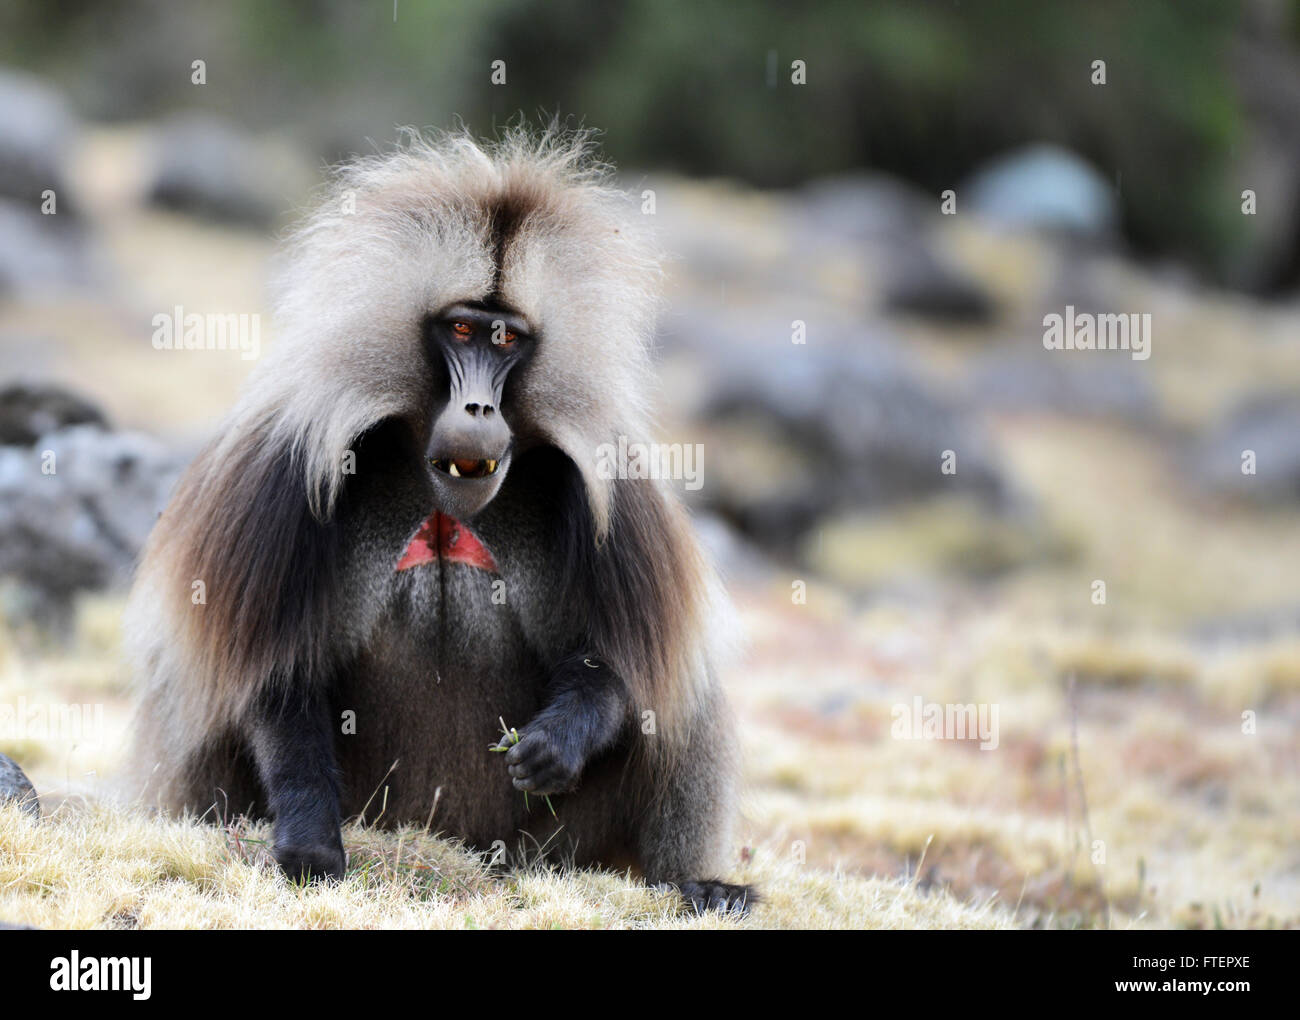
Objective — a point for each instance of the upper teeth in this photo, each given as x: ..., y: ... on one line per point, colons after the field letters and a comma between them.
x: 450, y: 467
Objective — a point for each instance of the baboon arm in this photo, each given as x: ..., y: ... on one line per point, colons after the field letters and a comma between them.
x: 590, y: 696
x: 586, y: 709
x: 293, y: 745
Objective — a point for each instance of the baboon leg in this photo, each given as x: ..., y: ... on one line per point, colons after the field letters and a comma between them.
x: 293, y: 746
x: 685, y: 836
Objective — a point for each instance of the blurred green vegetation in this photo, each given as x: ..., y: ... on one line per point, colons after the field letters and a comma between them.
x: 927, y: 90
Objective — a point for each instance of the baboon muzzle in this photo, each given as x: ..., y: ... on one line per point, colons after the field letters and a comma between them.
x: 469, y: 447
x: 470, y: 430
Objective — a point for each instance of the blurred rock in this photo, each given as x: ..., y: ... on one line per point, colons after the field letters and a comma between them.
x: 207, y: 167
x: 38, y: 251
x: 36, y: 133
x: 871, y: 208
x: 79, y: 527
x: 921, y: 282
x: 29, y: 410
x: 889, y: 222
x: 42, y: 253
x: 793, y: 433
x: 1031, y: 378
x: 1268, y: 424
x: 16, y: 787
x: 1044, y: 188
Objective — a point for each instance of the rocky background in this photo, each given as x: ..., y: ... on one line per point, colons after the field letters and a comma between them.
x: 1159, y: 726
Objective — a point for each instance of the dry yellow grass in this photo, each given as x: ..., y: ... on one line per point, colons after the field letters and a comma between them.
x: 99, y: 866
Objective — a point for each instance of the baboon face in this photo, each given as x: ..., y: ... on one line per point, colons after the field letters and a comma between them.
x: 473, y: 348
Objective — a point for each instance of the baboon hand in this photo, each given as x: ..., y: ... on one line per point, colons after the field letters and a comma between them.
x: 311, y: 863
x: 543, y: 762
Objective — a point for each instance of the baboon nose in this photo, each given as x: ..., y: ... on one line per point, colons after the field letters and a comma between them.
x: 473, y: 410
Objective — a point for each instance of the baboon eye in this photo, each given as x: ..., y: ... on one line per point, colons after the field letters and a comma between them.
x: 508, y: 338
x: 462, y: 328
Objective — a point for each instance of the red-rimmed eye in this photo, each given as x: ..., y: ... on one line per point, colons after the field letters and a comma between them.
x: 462, y: 328
x: 508, y: 338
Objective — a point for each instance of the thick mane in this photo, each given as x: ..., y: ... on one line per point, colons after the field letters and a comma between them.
x: 242, y: 575
x: 531, y: 221
x: 646, y: 592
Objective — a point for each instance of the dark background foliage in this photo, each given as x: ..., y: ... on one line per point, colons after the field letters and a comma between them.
x: 1195, y: 101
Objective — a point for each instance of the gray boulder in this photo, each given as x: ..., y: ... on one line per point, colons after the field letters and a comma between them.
x: 16, y: 787
x: 30, y: 410
x: 1046, y: 188
x: 1269, y: 425
x: 922, y: 282
x: 41, y: 253
x: 793, y: 433
x: 863, y: 208
x: 81, y: 526
x: 38, y: 252
x: 36, y: 133
x: 890, y: 223
x: 207, y: 167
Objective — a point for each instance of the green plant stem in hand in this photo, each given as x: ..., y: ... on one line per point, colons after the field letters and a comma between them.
x: 501, y: 747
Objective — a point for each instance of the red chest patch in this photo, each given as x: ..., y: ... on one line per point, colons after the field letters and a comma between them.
x: 443, y: 537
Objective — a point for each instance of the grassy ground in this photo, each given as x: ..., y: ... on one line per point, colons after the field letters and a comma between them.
x: 99, y: 867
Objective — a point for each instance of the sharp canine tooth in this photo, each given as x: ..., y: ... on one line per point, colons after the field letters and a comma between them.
x: 492, y: 467
x: 453, y: 470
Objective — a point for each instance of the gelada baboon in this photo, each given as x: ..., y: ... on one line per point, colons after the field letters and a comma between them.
x: 403, y: 535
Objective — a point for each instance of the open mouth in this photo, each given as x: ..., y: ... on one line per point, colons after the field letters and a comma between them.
x: 459, y: 467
